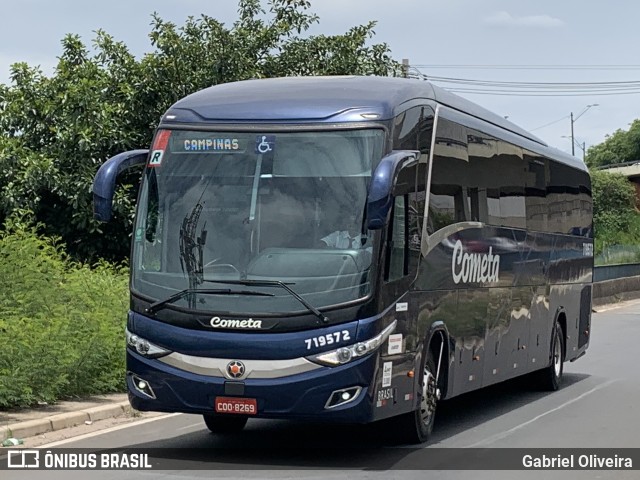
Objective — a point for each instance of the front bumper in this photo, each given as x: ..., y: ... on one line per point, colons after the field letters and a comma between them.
x: 299, y: 396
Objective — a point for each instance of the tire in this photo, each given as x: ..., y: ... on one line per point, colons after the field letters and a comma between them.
x: 225, y: 424
x: 416, y: 427
x: 550, y: 378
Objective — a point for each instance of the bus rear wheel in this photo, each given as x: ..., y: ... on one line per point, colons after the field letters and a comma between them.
x: 416, y: 427
x: 224, y: 424
x: 550, y: 378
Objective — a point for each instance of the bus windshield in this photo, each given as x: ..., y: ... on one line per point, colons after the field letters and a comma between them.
x: 286, y: 207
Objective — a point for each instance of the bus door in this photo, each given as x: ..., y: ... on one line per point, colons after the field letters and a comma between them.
x: 395, y: 389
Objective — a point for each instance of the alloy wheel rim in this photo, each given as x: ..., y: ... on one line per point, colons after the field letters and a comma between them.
x: 428, y: 402
x: 557, y: 356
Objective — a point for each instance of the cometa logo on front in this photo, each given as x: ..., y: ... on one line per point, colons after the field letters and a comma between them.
x: 217, y: 322
x: 474, y: 267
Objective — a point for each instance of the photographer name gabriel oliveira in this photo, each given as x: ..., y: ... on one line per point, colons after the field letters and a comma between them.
x: 576, y: 462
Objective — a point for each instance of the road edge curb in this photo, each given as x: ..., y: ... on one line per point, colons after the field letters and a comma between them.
x: 31, y: 428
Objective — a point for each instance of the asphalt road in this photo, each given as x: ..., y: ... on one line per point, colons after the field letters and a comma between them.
x: 597, y: 407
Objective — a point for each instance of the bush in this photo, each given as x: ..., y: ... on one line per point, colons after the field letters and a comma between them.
x: 615, y: 218
x: 61, y: 323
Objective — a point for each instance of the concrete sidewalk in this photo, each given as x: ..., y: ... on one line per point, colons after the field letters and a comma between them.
x: 50, y: 418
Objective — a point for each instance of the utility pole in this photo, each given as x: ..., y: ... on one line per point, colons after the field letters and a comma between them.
x: 573, y: 140
x: 582, y: 146
x: 405, y: 67
x: 574, y: 120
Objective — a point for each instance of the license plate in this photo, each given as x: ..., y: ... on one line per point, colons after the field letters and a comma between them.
x: 242, y: 406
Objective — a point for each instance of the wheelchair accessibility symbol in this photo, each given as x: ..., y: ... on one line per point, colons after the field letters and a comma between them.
x: 265, y: 143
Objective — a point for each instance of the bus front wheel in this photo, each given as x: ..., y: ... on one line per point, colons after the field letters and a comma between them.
x: 223, y: 424
x: 416, y: 427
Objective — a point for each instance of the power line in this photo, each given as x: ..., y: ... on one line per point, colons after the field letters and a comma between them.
x: 539, y: 89
x: 550, y: 123
x: 532, y: 89
x: 515, y: 84
x: 531, y: 67
x: 532, y: 94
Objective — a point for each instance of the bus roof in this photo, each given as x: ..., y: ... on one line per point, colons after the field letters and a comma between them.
x: 332, y: 99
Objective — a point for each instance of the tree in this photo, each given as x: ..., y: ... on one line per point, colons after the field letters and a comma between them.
x: 58, y: 130
x: 621, y: 146
x: 613, y: 208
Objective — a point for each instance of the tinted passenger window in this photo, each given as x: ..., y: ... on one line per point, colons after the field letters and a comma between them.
x: 510, y: 172
x: 398, y: 241
x: 569, y: 200
x: 495, y: 184
x: 448, y: 202
x: 406, y: 129
x: 477, y: 177
x: 483, y: 185
x: 536, y: 191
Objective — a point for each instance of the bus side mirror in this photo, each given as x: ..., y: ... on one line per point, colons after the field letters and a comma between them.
x: 382, y: 186
x: 104, y: 183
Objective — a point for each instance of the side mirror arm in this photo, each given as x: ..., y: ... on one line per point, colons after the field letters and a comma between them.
x: 104, y: 183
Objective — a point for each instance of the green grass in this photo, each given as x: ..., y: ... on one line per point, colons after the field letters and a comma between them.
x: 615, y: 246
x: 61, y: 323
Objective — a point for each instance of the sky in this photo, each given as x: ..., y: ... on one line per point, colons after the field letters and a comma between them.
x: 443, y: 38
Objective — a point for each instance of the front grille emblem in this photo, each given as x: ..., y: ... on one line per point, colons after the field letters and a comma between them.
x: 235, y: 369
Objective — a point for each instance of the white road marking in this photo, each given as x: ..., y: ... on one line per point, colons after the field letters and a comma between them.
x: 107, y: 430
x: 199, y: 424
x: 506, y: 433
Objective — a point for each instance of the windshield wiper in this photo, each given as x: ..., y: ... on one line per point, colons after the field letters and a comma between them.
x: 275, y: 283
x: 191, y: 247
x: 154, y: 307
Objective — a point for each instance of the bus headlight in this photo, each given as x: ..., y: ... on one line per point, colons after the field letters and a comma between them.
x: 344, y: 355
x: 144, y: 347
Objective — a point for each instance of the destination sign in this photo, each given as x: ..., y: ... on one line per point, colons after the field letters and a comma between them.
x: 200, y: 144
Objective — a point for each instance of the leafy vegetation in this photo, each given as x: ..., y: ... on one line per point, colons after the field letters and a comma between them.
x: 56, y: 131
x: 61, y: 323
x: 620, y: 146
x: 615, y: 219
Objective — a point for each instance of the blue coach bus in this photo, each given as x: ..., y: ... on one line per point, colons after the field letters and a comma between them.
x: 348, y: 249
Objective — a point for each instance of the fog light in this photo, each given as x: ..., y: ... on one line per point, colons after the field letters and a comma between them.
x: 143, y: 386
x: 342, y: 396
